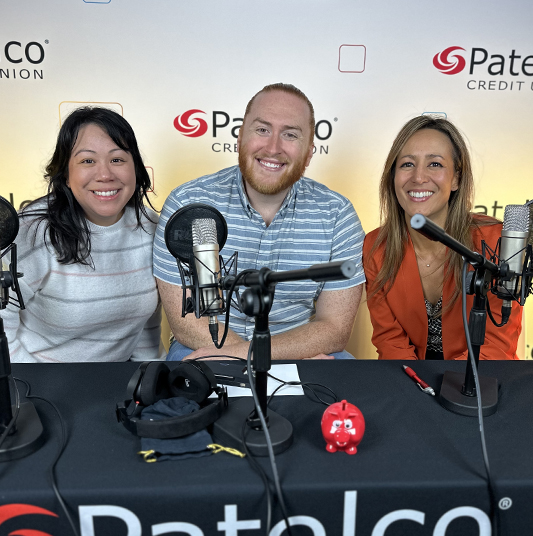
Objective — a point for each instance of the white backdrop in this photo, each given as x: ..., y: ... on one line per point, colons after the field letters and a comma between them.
x: 366, y: 66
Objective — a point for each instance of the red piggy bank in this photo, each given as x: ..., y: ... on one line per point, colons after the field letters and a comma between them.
x: 343, y: 427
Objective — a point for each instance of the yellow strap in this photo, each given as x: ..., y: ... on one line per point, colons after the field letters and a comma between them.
x: 219, y: 448
x: 148, y: 455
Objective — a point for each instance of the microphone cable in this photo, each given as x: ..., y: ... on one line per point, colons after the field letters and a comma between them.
x: 229, y: 295
x: 251, y: 459
x: 261, y: 472
x: 62, y: 445
x: 494, y: 514
x: 492, y: 319
x: 13, y: 420
x: 305, y: 385
x: 273, y: 465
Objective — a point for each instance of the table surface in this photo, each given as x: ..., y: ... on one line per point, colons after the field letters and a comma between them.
x: 416, y: 464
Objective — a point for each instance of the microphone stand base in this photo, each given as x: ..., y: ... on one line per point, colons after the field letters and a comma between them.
x: 452, y: 398
x: 28, y: 437
x: 228, y: 430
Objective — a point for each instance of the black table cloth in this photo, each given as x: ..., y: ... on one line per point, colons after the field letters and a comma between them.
x: 418, y: 470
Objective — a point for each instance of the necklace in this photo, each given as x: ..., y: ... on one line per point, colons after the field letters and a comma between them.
x: 425, y: 261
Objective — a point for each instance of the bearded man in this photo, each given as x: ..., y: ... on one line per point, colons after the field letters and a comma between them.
x: 279, y: 219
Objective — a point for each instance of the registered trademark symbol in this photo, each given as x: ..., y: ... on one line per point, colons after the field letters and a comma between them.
x: 46, y: 41
x: 335, y: 119
x: 505, y: 503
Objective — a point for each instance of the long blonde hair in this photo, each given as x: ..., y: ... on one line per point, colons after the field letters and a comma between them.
x: 459, y: 220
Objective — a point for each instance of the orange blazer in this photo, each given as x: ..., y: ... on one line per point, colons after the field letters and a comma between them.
x: 400, y: 320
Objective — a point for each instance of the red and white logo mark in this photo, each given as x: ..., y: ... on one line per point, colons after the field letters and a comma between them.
x: 449, y: 63
x: 9, y: 511
x: 183, y: 125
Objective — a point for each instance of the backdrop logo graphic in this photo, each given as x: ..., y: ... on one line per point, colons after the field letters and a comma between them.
x: 10, y: 511
x: 223, y: 126
x: 17, y: 52
x: 198, y: 128
x: 449, y: 61
x: 352, y: 58
x: 22, y: 60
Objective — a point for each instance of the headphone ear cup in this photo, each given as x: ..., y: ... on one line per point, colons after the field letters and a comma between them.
x: 191, y: 381
x: 154, y: 384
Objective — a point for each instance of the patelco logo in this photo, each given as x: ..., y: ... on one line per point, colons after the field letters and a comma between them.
x: 449, y: 63
x: 195, y: 130
x: 224, y: 126
x: 10, y: 511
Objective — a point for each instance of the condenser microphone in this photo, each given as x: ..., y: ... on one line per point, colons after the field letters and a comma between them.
x: 529, y: 205
x: 205, y: 250
x: 195, y: 245
x: 178, y: 230
x: 512, y: 252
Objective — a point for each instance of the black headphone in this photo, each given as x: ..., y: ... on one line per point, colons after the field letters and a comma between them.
x: 155, y: 381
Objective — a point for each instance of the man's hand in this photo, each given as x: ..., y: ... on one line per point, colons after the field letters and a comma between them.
x: 328, y: 332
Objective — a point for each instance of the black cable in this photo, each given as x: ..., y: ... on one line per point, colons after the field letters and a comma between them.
x: 492, y: 495
x: 255, y: 465
x: 62, y: 446
x: 229, y: 295
x: 13, y: 420
x: 270, y: 449
x: 304, y: 385
x: 492, y: 319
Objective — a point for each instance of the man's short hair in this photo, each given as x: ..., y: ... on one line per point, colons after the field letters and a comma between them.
x: 293, y: 90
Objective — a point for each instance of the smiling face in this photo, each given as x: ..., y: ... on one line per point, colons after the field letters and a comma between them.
x: 275, y: 142
x: 425, y: 175
x: 101, y: 175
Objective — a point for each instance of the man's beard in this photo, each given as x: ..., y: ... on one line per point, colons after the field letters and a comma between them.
x: 285, y: 181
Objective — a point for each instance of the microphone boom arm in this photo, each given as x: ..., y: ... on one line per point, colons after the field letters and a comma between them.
x: 434, y: 232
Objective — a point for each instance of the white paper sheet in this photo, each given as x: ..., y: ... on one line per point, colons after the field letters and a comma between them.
x: 287, y: 373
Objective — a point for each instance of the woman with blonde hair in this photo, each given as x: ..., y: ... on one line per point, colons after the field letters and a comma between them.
x: 413, y: 283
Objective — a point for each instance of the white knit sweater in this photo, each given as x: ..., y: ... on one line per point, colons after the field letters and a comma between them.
x: 77, y: 313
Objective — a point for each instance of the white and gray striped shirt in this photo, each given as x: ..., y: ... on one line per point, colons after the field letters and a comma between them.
x: 314, y: 225
x: 78, y: 313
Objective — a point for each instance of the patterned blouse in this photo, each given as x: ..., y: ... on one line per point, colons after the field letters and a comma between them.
x: 434, y: 347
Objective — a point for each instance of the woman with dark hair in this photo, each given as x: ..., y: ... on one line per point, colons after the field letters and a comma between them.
x: 86, y: 251
x: 413, y: 283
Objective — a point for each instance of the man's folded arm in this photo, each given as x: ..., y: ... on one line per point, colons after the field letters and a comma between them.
x: 329, y: 332
x: 188, y: 330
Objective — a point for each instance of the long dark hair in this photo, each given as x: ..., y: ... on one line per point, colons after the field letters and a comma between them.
x: 62, y: 215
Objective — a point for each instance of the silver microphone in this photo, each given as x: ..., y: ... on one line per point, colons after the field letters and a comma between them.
x: 206, y: 252
x: 512, y: 251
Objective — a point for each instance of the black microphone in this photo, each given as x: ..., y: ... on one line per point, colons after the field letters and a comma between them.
x: 513, y: 245
x: 9, y: 228
x: 434, y: 232
x: 206, y: 252
x: 21, y: 431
